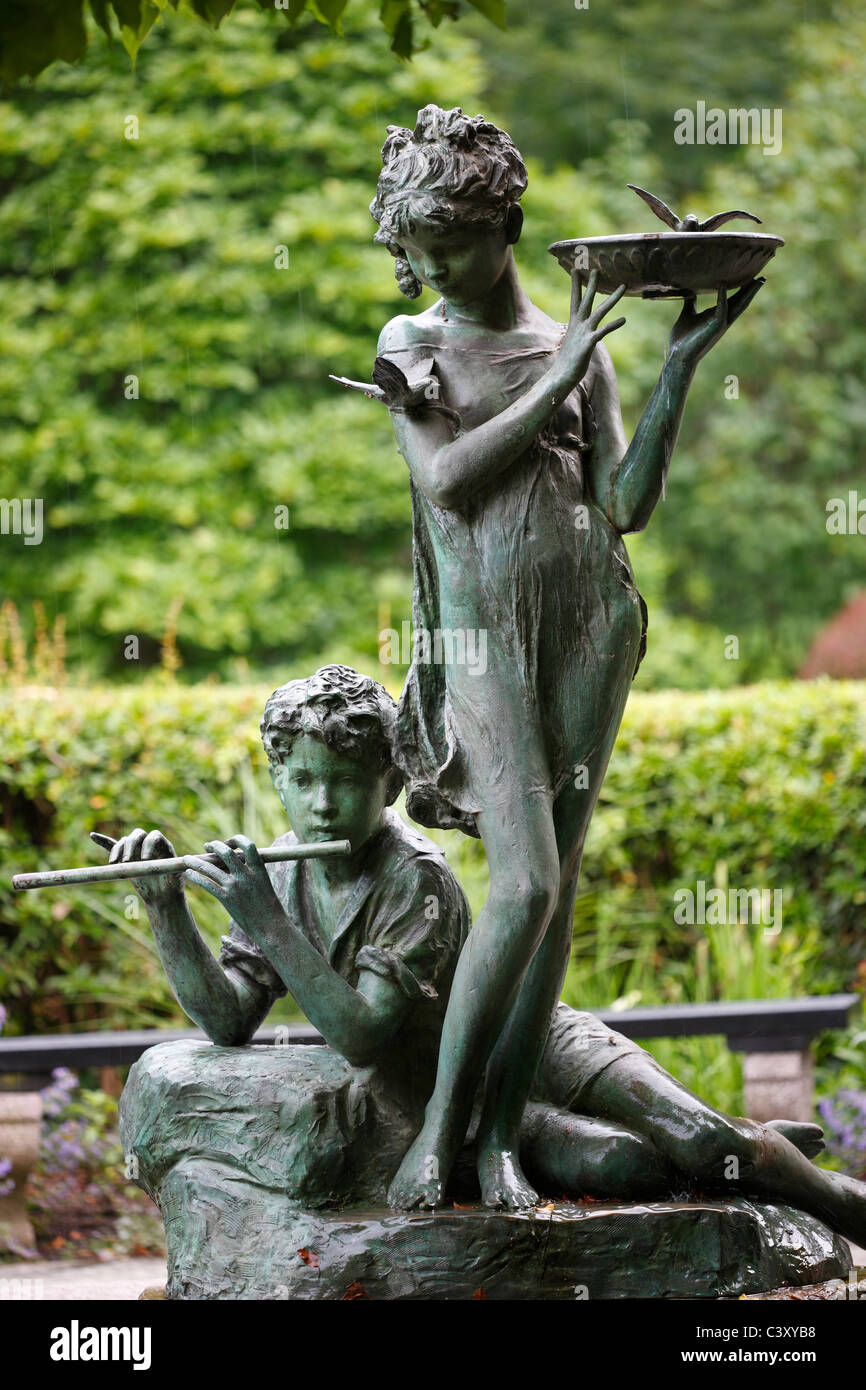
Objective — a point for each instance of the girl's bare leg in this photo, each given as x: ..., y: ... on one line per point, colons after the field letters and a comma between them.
x: 518, y: 1052
x: 515, y: 1061
x: 520, y: 841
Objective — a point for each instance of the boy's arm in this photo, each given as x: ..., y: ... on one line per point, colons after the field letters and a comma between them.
x: 225, y: 1004
x: 356, y: 1022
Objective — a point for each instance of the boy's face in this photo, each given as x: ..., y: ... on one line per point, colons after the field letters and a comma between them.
x: 328, y: 796
x: 460, y: 261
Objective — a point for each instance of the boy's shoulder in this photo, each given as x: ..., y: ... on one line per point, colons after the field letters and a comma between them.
x: 399, y: 842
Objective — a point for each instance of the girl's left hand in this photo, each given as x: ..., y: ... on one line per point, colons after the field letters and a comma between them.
x: 694, y: 334
x: 241, y: 883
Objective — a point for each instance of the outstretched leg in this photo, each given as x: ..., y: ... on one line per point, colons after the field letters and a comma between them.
x: 722, y: 1153
x: 520, y: 841
x: 574, y: 1154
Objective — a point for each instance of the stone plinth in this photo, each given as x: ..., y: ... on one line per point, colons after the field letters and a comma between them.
x: 229, y: 1239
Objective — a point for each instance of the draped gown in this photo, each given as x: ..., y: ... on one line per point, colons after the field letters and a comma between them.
x: 532, y: 567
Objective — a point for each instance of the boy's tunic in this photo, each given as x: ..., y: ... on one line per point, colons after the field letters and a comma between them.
x: 406, y: 920
x: 301, y: 1121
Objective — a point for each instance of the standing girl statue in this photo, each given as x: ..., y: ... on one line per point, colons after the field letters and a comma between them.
x: 522, y: 489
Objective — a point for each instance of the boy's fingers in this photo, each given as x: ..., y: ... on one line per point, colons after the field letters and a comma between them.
x: 249, y: 847
x: 156, y: 846
x: 609, y: 328
x: 132, y: 845
x: 203, y: 870
x: 208, y: 884
x: 227, y: 855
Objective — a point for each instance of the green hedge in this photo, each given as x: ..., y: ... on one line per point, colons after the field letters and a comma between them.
x: 759, y: 787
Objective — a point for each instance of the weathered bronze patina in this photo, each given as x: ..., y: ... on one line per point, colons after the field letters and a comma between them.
x: 521, y: 497
x: 449, y: 1071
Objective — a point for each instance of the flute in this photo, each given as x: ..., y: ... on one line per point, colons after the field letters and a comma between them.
x: 144, y: 868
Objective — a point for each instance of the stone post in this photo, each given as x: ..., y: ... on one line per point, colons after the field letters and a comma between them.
x: 20, y: 1117
x: 779, y: 1085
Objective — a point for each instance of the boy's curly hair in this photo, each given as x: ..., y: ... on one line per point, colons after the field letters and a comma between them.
x: 450, y: 166
x: 350, y: 713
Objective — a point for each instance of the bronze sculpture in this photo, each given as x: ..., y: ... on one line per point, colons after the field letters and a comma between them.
x: 449, y: 1066
x: 520, y: 498
x: 368, y: 946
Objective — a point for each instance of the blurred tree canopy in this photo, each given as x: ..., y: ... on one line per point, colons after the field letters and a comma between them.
x: 186, y: 253
x: 566, y: 75
x: 36, y: 33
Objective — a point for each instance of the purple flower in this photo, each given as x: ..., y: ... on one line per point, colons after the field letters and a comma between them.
x: 845, y: 1127
x: 57, y: 1094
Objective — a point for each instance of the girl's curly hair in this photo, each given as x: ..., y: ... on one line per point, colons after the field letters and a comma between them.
x: 349, y: 713
x: 449, y: 167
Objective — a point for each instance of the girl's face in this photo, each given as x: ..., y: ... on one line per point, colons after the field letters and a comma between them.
x: 461, y: 261
x: 328, y: 796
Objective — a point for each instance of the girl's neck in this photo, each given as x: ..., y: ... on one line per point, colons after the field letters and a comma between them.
x: 506, y: 305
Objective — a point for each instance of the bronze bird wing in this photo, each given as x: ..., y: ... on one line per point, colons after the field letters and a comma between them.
x: 391, y: 386
x: 659, y: 208
x: 392, y: 382
x: 407, y: 391
x: 721, y: 217
x: 374, y: 392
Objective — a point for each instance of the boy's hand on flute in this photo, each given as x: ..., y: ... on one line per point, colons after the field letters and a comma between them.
x: 241, y: 883
x: 160, y: 889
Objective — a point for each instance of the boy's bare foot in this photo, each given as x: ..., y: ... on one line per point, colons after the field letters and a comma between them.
x: 808, y: 1138
x: 503, y: 1183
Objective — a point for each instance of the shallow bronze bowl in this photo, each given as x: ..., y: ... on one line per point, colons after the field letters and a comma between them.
x: 669, y: 265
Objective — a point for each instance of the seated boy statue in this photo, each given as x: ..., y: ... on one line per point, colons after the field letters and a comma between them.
x: 368, y: 945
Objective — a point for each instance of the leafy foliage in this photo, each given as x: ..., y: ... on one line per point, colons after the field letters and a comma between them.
x: 164, y: 380
x: 187, y: 255
x: 760, y: 788
x: 76, y: 1195
x: 36, y: 33
x: 567, y: 76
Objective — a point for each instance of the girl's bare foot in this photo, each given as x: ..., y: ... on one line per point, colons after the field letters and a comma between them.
x: 420, y: 1179
x: 503, y: 1183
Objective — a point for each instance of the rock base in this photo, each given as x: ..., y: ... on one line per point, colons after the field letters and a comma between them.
x: 230, y: 1239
